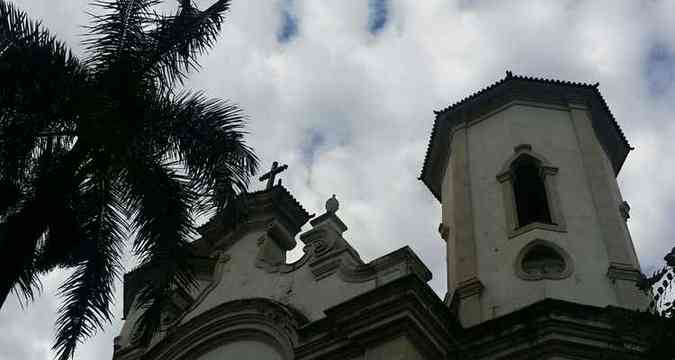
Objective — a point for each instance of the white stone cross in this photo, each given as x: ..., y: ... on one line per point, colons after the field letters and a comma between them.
x: 269, y: 176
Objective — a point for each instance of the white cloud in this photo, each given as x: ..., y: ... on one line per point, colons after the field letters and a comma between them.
x: 371, y: 99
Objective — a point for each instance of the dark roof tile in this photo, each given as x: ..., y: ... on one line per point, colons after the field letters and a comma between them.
x: 617, y: 156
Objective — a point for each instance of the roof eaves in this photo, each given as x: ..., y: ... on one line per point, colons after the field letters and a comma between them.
x: 295, y: 201
x: 510, y: 77
x: 427, y: 157
x: 611, y: 116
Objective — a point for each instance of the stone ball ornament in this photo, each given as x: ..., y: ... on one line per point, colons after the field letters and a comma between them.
x: 332, y: 205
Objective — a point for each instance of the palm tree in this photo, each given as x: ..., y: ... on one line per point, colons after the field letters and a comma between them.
x: 94, y: 150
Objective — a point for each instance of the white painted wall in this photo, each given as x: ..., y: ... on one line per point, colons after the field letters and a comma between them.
x: 241, y: 279
x: 242, y: 350
x: 398, y: 348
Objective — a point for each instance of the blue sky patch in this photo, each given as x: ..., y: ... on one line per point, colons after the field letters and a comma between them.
x: 378, y: 15
x: 314, y: 140
x: 660, y: 69
x: 289, y: 22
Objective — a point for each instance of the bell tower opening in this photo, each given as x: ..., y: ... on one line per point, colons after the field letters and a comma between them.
x: 530, y: 192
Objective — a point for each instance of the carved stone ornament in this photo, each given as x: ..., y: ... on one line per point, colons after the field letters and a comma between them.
x: 444, y: 231
x: 470, y: 287
x: 542, y: 259
x: 624, y: 208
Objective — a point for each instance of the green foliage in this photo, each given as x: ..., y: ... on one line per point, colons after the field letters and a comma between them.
x: 660, y: 287
x: 661, y: 324
x: 94, y: 150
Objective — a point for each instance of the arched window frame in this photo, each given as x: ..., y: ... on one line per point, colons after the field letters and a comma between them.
x: 252, y: 319
x: 548, y: 173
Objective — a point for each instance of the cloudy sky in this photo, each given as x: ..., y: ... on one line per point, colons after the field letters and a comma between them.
x: 343, y: 92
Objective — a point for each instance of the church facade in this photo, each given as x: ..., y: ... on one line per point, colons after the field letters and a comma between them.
x: 540, y: 262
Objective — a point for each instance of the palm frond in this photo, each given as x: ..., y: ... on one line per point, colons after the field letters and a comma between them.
x: 37, y: 95
x: 11, y: 193
x: 117, y: 41
x: 38, y: 71
x: 15, y: 27
x: 209, y: 139
x: 179, y: 39
x: 88, y: 292
x: 66, y: 242
x: 163, y: 227
x: 22, y: 229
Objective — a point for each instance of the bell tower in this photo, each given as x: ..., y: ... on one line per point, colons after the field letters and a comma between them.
x: 525, y: 171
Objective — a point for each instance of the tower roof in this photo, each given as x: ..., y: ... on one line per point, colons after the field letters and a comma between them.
x: 523, y: 88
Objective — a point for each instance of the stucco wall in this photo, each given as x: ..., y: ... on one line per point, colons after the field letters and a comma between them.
x: 447, y: 213
x: 241, y: 279
x: 398, y: 348
x: 242, y: 350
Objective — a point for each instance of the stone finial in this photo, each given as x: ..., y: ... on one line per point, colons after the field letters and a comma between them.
x: 329, y: 218
x: 332, y: 205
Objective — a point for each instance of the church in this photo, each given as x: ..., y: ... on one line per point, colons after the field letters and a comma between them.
x: 540, y: 262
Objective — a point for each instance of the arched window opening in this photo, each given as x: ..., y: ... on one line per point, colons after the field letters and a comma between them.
x: 530, y: 192
x: 529, y: 187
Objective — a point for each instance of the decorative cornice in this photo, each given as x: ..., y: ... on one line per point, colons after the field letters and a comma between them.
x: 470, y: 287
x: 536, y: 226
x: 404, y: 307
x: 555, y: 328
x: 618, y: 271
x: 330, y: 219
x: 391, y: 266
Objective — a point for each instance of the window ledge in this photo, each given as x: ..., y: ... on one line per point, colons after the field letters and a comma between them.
x: 536, y: 225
